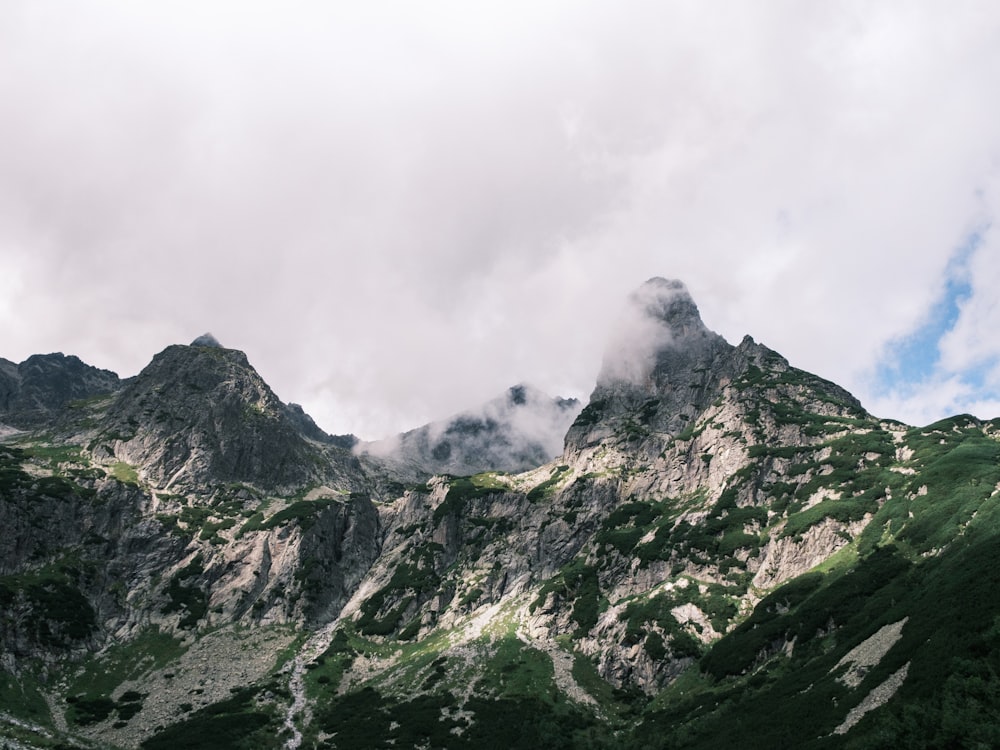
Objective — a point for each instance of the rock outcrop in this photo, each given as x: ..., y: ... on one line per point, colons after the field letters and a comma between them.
x: 201, y: 414
x: 36, y: 391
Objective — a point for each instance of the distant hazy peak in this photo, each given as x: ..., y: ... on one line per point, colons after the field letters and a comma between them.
x: 207, y: 339
x: 524, y: 394
x: 517, y: 394
x: 516, y: 431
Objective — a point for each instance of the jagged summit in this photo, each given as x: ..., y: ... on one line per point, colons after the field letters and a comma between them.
x: 728, y: 552
x: 207, y: 339
x: 33, y: 391
x: 663, y: 367
x: 658, y: 333
x: 197, y: 413
x: 668, y: 301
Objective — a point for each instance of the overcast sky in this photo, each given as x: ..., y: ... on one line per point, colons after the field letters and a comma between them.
x: 398, y: 209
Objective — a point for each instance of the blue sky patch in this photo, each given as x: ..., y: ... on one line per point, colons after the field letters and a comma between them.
x: 914, y: 358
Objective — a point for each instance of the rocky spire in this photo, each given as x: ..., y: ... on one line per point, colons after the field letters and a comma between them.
x: 203, y: 414
x: 662, y: 366
x: 659, y: 331
x: 669, y: 302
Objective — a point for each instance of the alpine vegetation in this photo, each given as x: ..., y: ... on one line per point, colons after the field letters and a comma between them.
x: 717, y: 550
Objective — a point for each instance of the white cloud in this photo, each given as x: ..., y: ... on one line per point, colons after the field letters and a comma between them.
x: 400, y: 209
x: 937, y: 397
x: 973, y: 340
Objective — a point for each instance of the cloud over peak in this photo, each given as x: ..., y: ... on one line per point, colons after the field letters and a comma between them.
x: 444, y: 199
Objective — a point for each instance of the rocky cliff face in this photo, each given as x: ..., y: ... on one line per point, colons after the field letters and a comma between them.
x: 714, y: 509
x: 35, y: 391
x: 201, y: 414
x: 664, y: 369
x: 728, y: 550
x: 189, y: 500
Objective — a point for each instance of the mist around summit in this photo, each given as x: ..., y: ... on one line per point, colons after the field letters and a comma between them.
x: 517, y: 431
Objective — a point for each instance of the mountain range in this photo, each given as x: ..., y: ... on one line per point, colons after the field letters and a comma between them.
x: 717, y: 550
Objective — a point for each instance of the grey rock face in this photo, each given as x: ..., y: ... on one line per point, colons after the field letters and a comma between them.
x: 38, y: 389
x: 684, y: 435
x: 198, y: 414
x: 191, y: 497
x: 699, y: 481
x: 69, y: 553
x: 663, y: 368
x: 335, y: 554
x: 10, y: 385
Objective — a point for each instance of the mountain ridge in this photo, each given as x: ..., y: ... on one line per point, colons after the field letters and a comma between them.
x: 42, y: 385
x: 728, y: 550
x: 223, y: 421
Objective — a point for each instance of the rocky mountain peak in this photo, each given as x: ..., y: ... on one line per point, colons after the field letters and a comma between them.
x: 200, y: 367
x: 728, y: 549
x: 35, y: 390
x: 203, y: 412
x: 669, y: 302
x: 663, y: 368
x: 659, y: 334
x: 517, y: 394
x: 527, y: 395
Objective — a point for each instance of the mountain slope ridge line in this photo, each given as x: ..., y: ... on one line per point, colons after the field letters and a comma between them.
x: 716, y: 537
